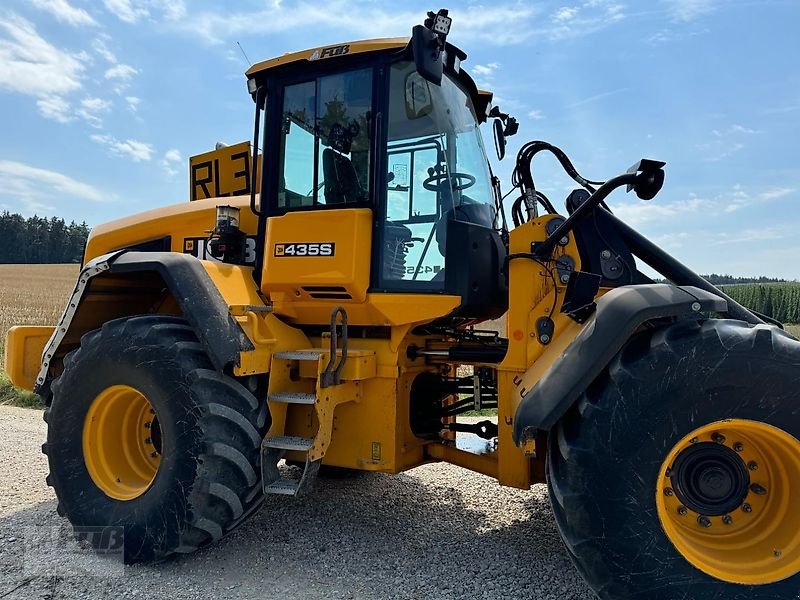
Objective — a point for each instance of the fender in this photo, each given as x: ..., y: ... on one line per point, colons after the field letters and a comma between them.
x: 619, y: 314
x: 147, y: 278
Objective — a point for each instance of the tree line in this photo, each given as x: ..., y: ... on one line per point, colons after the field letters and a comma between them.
x: 40, y: 239
x: 733, y: 280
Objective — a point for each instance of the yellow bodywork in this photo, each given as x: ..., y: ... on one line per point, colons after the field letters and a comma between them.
x: 369, y: 426
x: 23, y: 353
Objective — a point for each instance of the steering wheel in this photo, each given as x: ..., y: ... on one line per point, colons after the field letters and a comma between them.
x: 461, y: 181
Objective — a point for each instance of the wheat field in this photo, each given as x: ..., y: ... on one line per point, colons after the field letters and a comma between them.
x: 33, y: 295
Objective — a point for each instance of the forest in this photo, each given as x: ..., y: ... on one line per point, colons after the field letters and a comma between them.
x: 40, y: 239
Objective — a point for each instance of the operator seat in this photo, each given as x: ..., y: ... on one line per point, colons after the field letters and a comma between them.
x: 341, y: 180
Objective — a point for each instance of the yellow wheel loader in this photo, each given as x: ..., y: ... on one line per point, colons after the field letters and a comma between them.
x: 319, y: 306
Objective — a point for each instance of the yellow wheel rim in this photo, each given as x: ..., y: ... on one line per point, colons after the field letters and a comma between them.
x: 122, y: 442
x: 728, y: 499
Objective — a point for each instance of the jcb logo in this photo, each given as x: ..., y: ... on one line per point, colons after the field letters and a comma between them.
x: 305, y: 249
x: 331, y: 51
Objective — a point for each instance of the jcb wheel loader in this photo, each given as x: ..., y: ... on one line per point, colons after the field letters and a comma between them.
x: 328, y: 320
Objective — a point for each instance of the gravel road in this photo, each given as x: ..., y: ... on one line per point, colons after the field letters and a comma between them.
x: 435, y: 532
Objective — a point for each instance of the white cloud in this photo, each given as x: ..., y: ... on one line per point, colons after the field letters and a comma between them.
x: 740, y: 198
x: 171, y: 161
x: 173, y: 10
x: 133, y: 103
x: 689, y: 10
x: 760, y: 234
x: 596, y: 97
x: 133, y: 149
x: 129, y: 11
x: 65, y: 12
x: 56, y: 108
x: 536, y: 115
x: 121, y: 71
x: 92, y: 110
x: 32, y: 185
x: 485, y: 70
x: 725, y: 142
x: 99, y: 46
x: 638, y: 213
x: 565, y: 13
x: 31, y: 65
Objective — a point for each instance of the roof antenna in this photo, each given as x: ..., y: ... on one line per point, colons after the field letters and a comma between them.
x: 244, y: 54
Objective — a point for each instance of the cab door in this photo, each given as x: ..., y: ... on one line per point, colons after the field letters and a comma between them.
x: 319, y: 232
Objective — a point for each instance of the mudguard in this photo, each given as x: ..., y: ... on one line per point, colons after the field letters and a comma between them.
x: 199, y: 300
x: 619, y: 314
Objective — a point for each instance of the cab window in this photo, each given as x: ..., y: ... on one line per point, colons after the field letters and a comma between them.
x: 325, y: 141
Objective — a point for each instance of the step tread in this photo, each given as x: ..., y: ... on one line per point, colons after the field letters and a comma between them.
x: 298, y: 355
x: 286, y: 487
x: 289, y: 442
x: 292, y: 397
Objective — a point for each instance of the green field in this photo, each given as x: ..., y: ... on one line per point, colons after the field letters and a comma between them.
x: 780, y: 301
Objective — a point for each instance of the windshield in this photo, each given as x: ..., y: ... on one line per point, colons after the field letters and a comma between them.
x: 437, y: 171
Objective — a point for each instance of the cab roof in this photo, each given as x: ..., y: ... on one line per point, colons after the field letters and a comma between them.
x: 323, y: 52
x: 481, y: 98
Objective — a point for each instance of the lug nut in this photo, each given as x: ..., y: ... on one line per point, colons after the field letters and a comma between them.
x: 752, y: 465
x: 704, y: 521
x: 719, y: 438
x: 693, y: 440
x: 747, y: 508
x: 738, y: 446
x: 668, y: 472
x: 154, y: 454
x: 777, y: 553
x: 544, y: 338
x: 727, y: 519
x: 758, y: 489
x: 683, y: 511
x: 668, y: 492
x: 148, y: 425
x: 148, y: 441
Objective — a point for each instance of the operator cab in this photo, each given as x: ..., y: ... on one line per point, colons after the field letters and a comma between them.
x: 362, y: 134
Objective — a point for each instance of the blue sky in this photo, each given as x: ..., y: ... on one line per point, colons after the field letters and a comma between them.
x: 102, y: 102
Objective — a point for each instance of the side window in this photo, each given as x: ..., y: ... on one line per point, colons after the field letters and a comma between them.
x: 296, y: 188
x: 325, y: 141
x: 344, y: 107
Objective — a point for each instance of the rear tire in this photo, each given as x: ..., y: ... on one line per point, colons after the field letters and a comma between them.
x: 609, y: 454
x: 207, y: 479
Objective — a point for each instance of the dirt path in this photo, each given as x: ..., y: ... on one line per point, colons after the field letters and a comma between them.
x: 435, y: 532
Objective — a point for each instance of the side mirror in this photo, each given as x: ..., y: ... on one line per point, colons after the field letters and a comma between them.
x: 425, y: 45
x: 649, y: 178
x: 499, y: 139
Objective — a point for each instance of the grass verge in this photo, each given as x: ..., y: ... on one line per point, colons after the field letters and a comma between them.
x: 13, y: 396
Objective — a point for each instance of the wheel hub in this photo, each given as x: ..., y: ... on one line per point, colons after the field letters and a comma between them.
x: 726, y: 498
x: 710, y: 479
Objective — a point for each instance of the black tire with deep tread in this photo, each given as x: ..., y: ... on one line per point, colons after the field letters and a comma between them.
x: 209, y: 479
x: 605, y: 455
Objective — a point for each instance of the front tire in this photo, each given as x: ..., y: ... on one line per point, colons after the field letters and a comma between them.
x: 143, y: 433
x: 652, y: 477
